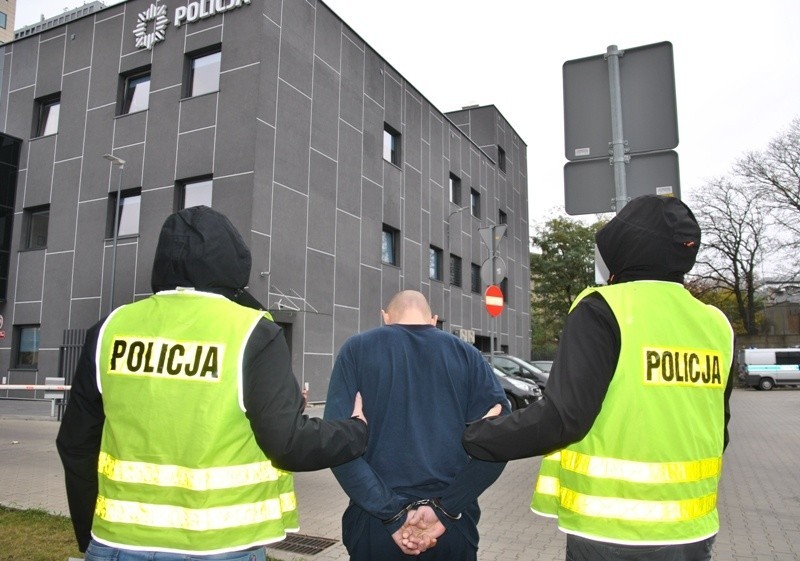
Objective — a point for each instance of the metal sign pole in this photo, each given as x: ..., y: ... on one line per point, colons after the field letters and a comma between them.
x: 618, y: 158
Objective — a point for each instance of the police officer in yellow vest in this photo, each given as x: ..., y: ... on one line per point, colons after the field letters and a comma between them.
x: 634, y: 416
x: 185, y: 416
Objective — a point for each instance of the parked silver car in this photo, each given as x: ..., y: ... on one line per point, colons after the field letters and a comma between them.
x: 517, y: 367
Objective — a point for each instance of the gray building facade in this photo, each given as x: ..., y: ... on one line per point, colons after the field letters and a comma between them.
x: 345, y: 181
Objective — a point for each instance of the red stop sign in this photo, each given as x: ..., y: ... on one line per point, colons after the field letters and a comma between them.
x: 494, y: 300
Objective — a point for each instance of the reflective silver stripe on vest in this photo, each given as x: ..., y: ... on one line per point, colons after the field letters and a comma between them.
x: 216, y: 518
x: 641, y: 472
x: 187, y: 478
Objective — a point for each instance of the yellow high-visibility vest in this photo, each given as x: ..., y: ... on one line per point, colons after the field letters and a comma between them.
x: 648, y: 470
x: 179, y: 467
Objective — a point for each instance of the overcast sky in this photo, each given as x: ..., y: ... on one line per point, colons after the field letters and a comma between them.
x: 737, y: 67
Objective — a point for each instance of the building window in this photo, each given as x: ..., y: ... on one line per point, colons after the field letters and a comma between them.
x: 27, y: 347
x: 204, y: 73
x: 129, y: 208
x: 435, y: 267
x: 391, y: 145
x: 36, y: 221
x: 455, y: 190
x: 504, y: 290
x: 389, y: 245
x: 501, y: 159
x: 47, y: 113
x: 455, y: 270
x: 502, y: 218
x: 3, y: 19
x: 475, y: 203
x: 136, y: 93
x: 475, y: 278
x: 195, y: 193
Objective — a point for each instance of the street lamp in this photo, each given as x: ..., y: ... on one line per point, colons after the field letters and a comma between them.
x: 456, y: 211
x: 120, y: 163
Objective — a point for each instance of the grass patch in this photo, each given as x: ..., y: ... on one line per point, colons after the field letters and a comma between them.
x: 35, y: 535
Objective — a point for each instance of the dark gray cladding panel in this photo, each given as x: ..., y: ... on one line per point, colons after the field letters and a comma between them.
x: 64, y: 207
x: 232, y: 197
x: 287, y: 268
x: 132, y: 176
x: 317, y: 372
x: 198, y: 39
x: 372, y: 163
x: 90, y: 236
x: 30, y: 277
x: 268, y: 45
x: 328, y: 37
x: 84, y: 313
x: 454, y: 154
x: 319, y: 329
x: 157, y: 204
x: 72, y: 117
x: 195, y: 154
x: 137, y: 59
x: 371, y: 224
x: 373, y: 78
x: 28, y: 312
x: 412, y: 145
x: 349, y: 175
x: 80, y: 34
x: 99, y: 137
x: 319, y: 288
x: 322, y: 204
x: 352, y: 101
x: 162, y: 126
x: 392, y: 196
x: 105, y: 63
x: 57, y: 286
x: 392, y: 109
x: 297, y: 40
x: 130, y: 129
x: 292, y: 138
x: 48, y: 72
x: 23, y: 69
x: 348, y: 257
x: 262, y: 184
x: 412, y: 261
x: 40, y: 176
x: 412, y: 205
x: 325, y: 110
x: 371, y: 298
x: 198, y: 112
x: 345, y: 323
x: 242, y: 27
x: 236, y: 128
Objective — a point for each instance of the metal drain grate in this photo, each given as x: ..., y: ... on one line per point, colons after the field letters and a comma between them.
x: 299, y: 543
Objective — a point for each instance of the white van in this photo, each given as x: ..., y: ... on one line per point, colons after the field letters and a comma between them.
x: 764, y: 369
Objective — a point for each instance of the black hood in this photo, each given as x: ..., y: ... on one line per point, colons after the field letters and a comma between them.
x: 199, y: 247
x: 652, y: 238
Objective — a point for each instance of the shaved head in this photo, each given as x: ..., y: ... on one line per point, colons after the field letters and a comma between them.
x: 408, y: 307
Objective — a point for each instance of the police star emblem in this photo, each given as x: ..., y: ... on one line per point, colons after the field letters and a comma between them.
x: 158, y: 16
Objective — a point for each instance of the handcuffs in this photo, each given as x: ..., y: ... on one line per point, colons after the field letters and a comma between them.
x: 433, y: 503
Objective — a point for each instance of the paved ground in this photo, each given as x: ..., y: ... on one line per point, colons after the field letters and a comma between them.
x: 759, y: 500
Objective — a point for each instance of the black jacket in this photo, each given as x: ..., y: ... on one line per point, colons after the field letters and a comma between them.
x: 652, y: 238
x: 199, y: 247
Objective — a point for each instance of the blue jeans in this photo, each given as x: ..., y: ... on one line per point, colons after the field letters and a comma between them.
x: 581, y: 549
x: 100, y: 552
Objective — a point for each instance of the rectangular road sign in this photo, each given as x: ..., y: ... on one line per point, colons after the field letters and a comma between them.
x: 589, y: 184
x: 649, y: 114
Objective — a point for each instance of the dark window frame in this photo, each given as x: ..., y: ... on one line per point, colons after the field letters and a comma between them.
x: 454, y: 184
x: 112, y: 206
x: 189, y: 88
x: 475, y: 278
x: 127, y: 95
x: 436, y: 264
x: 394, y: 235
x: 475, y: 203
x: 394, y: 151
x: 43, y: 113
x: 33, y: 363
x: 501, y: 158
x: 30, y: 222
x: 456, y: 271
x: 180, y: 191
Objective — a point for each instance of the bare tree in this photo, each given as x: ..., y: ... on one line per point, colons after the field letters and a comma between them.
x: 734, y: 242
x: 774, y: 175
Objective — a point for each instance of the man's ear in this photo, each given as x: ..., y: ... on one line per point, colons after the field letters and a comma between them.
x: 434, y: 319
x: 385, y: 317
